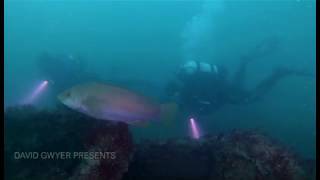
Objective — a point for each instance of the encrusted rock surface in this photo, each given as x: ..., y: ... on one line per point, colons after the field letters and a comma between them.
x: 235, y: 156
x: 238, y: 155
x: 62, y: 130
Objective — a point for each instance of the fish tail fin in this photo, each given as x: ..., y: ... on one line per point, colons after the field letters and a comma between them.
x: 169, y: 112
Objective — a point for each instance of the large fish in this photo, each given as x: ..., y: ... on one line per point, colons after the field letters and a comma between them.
x: 112, y: 103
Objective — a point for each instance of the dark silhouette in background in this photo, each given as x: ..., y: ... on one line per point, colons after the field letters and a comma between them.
x: 202, y: 88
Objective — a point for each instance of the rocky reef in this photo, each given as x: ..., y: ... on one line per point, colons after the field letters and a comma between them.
x: 238, y: 155
x: 85, y: 148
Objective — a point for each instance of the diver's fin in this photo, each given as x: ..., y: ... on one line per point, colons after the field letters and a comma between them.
x: 305, y: 73
x: 169, y: 112
x: 266, y: 47
x: 288, y: 71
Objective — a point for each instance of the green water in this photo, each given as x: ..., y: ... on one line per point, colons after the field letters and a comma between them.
x: 149, y: 39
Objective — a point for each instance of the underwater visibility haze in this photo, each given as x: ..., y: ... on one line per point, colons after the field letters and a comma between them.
x: 213, y: 74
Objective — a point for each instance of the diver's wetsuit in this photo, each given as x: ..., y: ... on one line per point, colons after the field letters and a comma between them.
x: 197, y: 95
x: 203, y: 93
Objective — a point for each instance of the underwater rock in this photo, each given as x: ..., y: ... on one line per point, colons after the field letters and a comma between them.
x: 235, y: 156
x: 309, y: 165
x: 89, y: 148
x: 116, y: 142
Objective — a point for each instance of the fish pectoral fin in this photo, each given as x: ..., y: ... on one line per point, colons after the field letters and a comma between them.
x: 93, y: 104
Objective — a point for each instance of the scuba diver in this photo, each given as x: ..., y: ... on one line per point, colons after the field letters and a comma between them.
x: 202, y: 88
x: 62, y: 71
